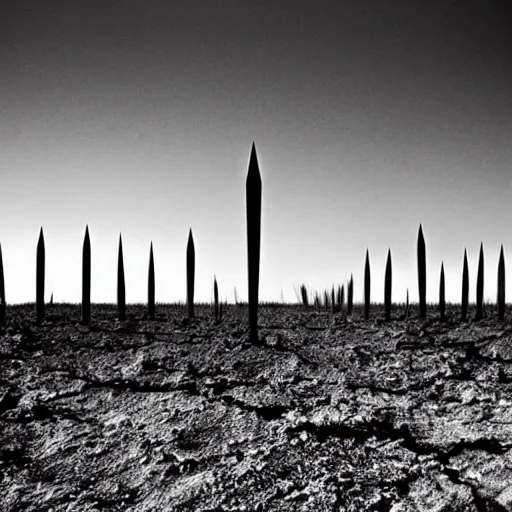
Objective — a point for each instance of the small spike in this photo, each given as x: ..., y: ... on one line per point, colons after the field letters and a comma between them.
x: 480, y: 285
x: 86, y: 278
x: 350, y: 295
x: 190, y: 274
x: 465, y: 288
x: 121, y: 291
x: 216, y: 300
x: 501, y: 286
x: 387, y: 287
x: 367, y: 283
x: 442, y: 303
x: 151, y: 284
x: 422, y: 274
x: 40, y: 278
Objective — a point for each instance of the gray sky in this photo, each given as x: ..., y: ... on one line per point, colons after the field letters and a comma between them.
x: 369, y: 117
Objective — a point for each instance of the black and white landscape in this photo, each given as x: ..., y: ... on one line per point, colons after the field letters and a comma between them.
x: 253, y: 255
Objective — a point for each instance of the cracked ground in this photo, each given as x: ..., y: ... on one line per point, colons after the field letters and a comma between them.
x: 327, y: 414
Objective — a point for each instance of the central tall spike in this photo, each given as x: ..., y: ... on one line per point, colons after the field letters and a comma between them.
x: 190, y: 274
x: 40, y: 278
x: 121, y: 291
x: 253, y: 205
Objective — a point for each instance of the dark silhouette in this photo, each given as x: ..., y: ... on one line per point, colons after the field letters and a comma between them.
x: 442, y: 303
x: 86, y: 279
x: 2, y: 291
x: 333, y: 299
x: 480, y: 285
x: 406, y: 313
x: 151, y: 284
x: 121, y: 291
x: 51, y: 298
x: 253, y: 205
x: 40, y: 278
x: 350, y: 296
x: 191, y: 257
x: 387, y: 288
x: 465, y: 288
x: 216, y: 300
x: 501, y: 286
x: 422, y: 274
x: 303, y: 294
x: 367, y: 286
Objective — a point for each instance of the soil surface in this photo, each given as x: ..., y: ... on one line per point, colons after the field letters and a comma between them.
x: 327, y: 414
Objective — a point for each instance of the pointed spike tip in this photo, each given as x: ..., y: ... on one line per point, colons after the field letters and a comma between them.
x: 253, y: 161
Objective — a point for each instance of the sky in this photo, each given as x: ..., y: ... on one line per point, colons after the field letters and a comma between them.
x: 369, y: 117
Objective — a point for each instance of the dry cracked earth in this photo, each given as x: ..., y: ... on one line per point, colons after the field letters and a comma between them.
x: 328, y: 414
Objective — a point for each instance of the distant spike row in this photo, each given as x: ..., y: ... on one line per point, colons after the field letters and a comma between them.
x: 422, y: 287
x: 253, y: 215
x: 86, y: 282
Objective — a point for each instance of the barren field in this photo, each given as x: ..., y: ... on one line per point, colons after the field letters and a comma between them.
x: 328, y: 414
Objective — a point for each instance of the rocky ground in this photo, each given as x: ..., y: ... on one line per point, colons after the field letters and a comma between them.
x: 329, y: 414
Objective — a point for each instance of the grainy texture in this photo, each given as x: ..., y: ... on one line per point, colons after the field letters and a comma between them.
x: 328, y: 414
